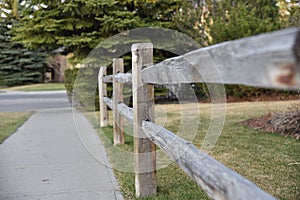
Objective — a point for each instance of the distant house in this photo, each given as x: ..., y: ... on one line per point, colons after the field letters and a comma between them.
x: 57, y: 64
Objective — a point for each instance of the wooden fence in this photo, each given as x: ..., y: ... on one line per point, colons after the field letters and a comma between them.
x: 269, y: 60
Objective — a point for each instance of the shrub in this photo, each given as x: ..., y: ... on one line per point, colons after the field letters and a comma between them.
x: 288, y: 123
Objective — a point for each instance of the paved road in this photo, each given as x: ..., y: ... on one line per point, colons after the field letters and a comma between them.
x: 15, y: 101
x: 46, y: 160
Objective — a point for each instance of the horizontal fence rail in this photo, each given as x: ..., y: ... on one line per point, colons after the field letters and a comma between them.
x: 108, y: 102
x: 120, y: 77
x: 269, y: 60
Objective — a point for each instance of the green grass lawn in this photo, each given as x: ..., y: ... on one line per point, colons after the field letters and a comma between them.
x: 10, y: 122
x: 39, y: 87
x: 269, y: 160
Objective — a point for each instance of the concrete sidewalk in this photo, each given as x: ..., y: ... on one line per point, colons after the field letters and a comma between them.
x: 46, y: 160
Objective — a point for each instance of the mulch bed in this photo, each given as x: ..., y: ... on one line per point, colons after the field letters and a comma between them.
x: 267, y: 123
x: 287, y: 124
x: 263, y: 123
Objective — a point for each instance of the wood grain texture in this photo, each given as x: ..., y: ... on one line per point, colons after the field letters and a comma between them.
x: 123, y: 109
x: 143, y: 108
x: 268, y: 60
x: 102, y: 93
x: 126, y: 112
x: 118, y: 124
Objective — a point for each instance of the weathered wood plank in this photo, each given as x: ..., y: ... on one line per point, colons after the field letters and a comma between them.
x: 120, y: 78
x: 108, y: 79
x: 218, y: 181
x: 109, y: 102
x: 123, y: 109
x: 124, y: 78
x: 126, y: 112
x: 118, y: 125
x: 143, y: 108
x: 269, y: 60
x: 102, y: 93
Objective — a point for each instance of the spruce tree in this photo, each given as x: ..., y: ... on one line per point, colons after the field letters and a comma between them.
x: 18, y: 66
x: 80, y: 25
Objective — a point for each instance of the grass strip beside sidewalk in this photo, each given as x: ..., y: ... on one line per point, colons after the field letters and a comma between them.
x: 10, y: 122
x: 38, y: 87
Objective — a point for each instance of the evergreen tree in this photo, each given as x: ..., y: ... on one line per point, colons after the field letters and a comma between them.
x: 234, y: 19
x: 289, y: 12
x: 191, y: 20
x: 18, y: 66
x: 9, y: 9
x: 79, y: 25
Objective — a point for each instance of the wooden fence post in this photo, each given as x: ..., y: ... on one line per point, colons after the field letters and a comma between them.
x: 102, y: 93
x: 118, y: 67
x: 143, y: 108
